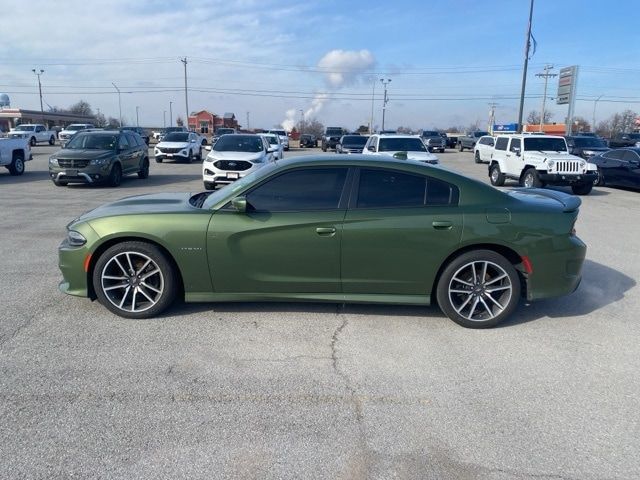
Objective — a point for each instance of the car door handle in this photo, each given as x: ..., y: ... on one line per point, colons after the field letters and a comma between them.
x: 442, y: 225
x: 326, y: 231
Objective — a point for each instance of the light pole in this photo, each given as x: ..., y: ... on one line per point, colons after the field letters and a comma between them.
x: 385, y: 99
x: 164, y: 119
x: 170, y: 114
x: 527, y: 44
x: 373, y: 95
x: 137, y: 116
x: 38, y: 73
x: 186, y: 97
x: 593, y: 119
x: 119, y: 103
x: 301, y: 120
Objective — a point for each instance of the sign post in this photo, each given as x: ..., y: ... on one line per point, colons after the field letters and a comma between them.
x: 567, y: 87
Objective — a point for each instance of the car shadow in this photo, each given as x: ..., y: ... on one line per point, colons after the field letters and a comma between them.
x: 133, y: 181
x: 26, y: 177
x: 601, y: 286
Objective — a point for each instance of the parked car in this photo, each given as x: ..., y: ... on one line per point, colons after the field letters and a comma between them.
x: 222, y: 131
x: 484, y: 149
x: 13, y: 153
x: 619, y: 167
x: 469, y: 140
x: 452, y: 140
x: 308, y: 140
x: 70, y: 130
x: 35, y: 133
x: 233, y: 157
x: 409, y: 147
x: 140, y: 131
x: 351, y: 144
x: 168, y: 130
x: 586, y: 146
x: 331, y: 138
x: 433, y: 140
x: 179, y: 146
x: 330, y: 229
x: 100, y: 156
x: 284, y: 138
x: 625, y: 140
x: 275, y: 147
x: 539, y: 160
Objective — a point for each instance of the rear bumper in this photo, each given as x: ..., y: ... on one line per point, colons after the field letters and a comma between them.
x: 568, y: 178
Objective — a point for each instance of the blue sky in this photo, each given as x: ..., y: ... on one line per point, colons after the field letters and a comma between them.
x: 447, y: 60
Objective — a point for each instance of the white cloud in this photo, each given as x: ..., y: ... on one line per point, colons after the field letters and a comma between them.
x: 343, y: 67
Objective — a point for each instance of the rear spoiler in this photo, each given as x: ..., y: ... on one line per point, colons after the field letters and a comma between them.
x: 570, y: 203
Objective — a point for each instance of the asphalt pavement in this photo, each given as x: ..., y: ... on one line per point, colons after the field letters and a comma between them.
x: 305, y: 390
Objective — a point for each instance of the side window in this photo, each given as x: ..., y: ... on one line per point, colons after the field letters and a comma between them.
x: 515, y: 145
x: 614, y: 154
x: 369, y: 141
x: 630, y: 156
x: 304, y: 189
x: 123, y: 144
x: 501, y: 143
x: 440, y: 192
x: 388, y: 188
x: 139, y: 140
x: 132, y: 140
x: 39, y: 129
x: 490, y: 142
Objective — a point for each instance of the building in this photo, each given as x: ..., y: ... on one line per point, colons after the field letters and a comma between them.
x: 11, y: 117
x: 205, y: 122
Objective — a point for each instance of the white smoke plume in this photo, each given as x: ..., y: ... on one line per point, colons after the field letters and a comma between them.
x: 341, y: 68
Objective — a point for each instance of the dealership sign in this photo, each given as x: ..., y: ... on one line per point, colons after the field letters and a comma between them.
x: 566, y: 84
x: 505, y: 128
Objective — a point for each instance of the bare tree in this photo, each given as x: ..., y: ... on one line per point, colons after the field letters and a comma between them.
x: 113, y: 122
x: 580, y: 124
x: 312, y: 127
x: 81, y: 108
x: 100, y: 120
x: 534, y: 117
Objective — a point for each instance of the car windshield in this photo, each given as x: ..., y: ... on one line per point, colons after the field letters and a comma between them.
x: 354, y: 140
x: 177, y: 137
x: 224, y: 131
x: 92, y: 142
x: 282, y: 133
x: 238, y: 143
x: 480, y: 134
x: 401, y: 144
x: 25, y: 128
x: 589, y: 142
x: 545, y: 143
x: 238, y: 185
x: 430, y: 134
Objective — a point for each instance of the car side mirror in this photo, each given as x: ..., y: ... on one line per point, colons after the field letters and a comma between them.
x: 272, y: 149
x: 240, y: 204
x: 371, y: 148
x: 516, y: 151
x: 193, y: 140
x: 207, y: 148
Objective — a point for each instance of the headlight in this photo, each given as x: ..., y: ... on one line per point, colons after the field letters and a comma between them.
x: 551, y: 163
x: 53, y: 162
x: 637, y: 144
x: 99, y: 161
x: 583, y: 164
x: 76, y: 239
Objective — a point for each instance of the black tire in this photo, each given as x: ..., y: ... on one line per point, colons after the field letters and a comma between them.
x: 209, y: 186
x: 582, y: 188
x: 204, y: 142
x: 16, y: 167
x: 599, y: 181
x: 190, y: 157
x: 32, y: 141
x: 199, y: 157
x: 324, y: 148
x: 115, y: 176
x: 52, y: 140
x: 144, y: 169
x: 159, y: 160
x: 476, y: 157
x: 60, y: 183
x: 496, y: 176
x: 460, y: 147
x: 161, y: 287
x: 471, y: 293
x: 530, y: 179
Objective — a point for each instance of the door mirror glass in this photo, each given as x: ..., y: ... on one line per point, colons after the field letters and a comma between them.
x: 240, y: 204
x: 516, y: 150
x: 371, y: 148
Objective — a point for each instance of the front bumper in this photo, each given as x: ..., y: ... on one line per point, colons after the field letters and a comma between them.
x: 568, y: 178
x: 213, y: 175
x: 94, y: 174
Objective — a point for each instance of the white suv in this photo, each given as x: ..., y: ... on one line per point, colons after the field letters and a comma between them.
x: 234, y: 156
x: 284, y: 138
x: 483, y: 149
x: 408, y: 147
x: 537, y: 160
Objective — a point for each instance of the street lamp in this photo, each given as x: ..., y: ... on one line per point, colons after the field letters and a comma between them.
x: 301, y: 120
x: 137, y: 116
x: 38, y: 73
x: 593, y: 119
x: 385, y: 98
x: 119, y: 103
x: 170, y: 114
x: 164, y: 119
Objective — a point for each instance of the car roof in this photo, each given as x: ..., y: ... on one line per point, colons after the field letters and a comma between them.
x: 396, y: 135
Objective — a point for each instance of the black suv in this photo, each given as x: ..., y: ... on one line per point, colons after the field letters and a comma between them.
x: 331, y: 137
x: 586, y: 146
x: 307, y: 140
x: 100, y: 157
x: 140, y: 131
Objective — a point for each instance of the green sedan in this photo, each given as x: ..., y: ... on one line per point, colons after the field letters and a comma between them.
x: 327, y: 229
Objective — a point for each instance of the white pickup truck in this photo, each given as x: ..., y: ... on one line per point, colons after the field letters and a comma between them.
x: 34, y: 133
x: 13, y: 153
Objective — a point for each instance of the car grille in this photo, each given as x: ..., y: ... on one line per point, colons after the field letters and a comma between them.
x: 568, y: 167
x: 64, y: 136
x: 233, y: 165
x: 354, y: 150
x: 170, y: 150
x: 73, y: 163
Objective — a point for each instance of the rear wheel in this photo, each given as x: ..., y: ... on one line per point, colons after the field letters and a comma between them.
x: 582, y: 188
x: 599, y: 181
x: 144, y: 169
x: 477, y: 157
x: 460, y: 147
x: 115, y: 176
x: 52, y: 140
x: 60, y: 183
x: 135, y: 280
x: 530, y: 179
x: 32, y: 141
x: 479, y: 289
x: 199, y: 157
x: 496, y: 176
x: 158, y: 160
x: 17, y: 164
x: 209, y: 185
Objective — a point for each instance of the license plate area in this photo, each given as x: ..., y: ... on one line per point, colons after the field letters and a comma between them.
x: 233, y: 175
x: 71, y: 173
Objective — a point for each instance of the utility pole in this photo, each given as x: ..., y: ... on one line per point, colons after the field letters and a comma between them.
x: 186, y: 97
x: 248, y: 120
x: 301, y: 120
x: 170, y: 114
x: 385, y: 98
x: 38, y: 73
x: 546, y: 75
x: 137, y: 116
x: 164, y: 119
x: 492, y: 116
x: 593, y: 120
x: 119, y: 104
x: 373, y: 95
x: 524, y: 70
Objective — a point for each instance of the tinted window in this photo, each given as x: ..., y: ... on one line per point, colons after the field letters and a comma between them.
x: 588, y: 142
x: 545, y: 144
x: 387, y: 188
x: 88, y: 141
x: 358, y: 140
x: 515, y: 144
x: 501, y: 143
x: 401, y: 144
x: 614, y: 154
x: 304, y: 189
x: 630, y: 156
x: 132, y: 139
x: 239, y: 143
x: 177, y: 137
x: 441, y: 193
x: 124, y: 143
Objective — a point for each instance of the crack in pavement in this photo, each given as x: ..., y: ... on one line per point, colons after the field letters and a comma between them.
x: 4, y: 339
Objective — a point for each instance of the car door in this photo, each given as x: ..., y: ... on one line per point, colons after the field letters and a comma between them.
x: 513, y: 156
x: 126, y: 154
x: 630, y: 169
x: 288, y: 240
x: 499, y: 153
x: 611, y: 167
x: 485, y: 148
x: 398, y: 229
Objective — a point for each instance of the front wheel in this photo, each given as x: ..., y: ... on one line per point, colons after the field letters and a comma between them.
x: 582, y: 188
x: 460, y: 147
x: 477, y: 157
x: 209, y: 185
x: 496, y: 176
x: 144, y: 169
x: 52, y: 140
x: 158, y: 160
x: 530, y: 179
x: 115, y: 176
x: 17, y: 165
x: 32, y: 141
x: 599, y: 181
x: 479, y: 289
x: 135, y: 280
